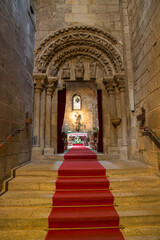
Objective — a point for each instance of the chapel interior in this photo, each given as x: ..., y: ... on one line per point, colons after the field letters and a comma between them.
x: 79, y: 74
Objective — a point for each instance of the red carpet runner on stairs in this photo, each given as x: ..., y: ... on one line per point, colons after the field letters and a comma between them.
x: 83, y: 204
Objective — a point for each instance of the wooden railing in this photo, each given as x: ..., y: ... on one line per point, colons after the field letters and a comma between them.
x: 12, y: 134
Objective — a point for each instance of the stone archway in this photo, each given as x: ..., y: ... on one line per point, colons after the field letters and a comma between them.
x: 53, y: 53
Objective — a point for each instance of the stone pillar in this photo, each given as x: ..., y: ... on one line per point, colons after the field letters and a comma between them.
x: 120, y: 81
x: 110, y: 87
x: 49, y: 150
x: 39, y: 81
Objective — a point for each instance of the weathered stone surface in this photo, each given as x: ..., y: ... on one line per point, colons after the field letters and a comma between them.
x: 16, y: 96
x: 145, y: 49
x: 53, y: 15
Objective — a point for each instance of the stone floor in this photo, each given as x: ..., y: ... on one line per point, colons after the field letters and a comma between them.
x: 24, y: 209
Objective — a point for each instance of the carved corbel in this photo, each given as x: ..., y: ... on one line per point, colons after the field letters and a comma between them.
x: 51, y: 85
x: 120, y: 81
x: 110, y: 85
x: 39, y: 82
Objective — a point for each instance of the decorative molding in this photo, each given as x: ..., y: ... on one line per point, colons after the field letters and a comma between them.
x: 78, y: 29
x: 52, y: 82
x: 93, y: 41
x: 110, y: 85
x: 39, y: 80
x: 120, y: 81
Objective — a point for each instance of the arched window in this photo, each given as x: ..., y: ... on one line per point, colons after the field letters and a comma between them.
x: 76, y: 102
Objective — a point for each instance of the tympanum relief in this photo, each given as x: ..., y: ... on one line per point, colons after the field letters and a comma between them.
x: 93, y: 69
x: 80, y: 68
x: 66, y: 71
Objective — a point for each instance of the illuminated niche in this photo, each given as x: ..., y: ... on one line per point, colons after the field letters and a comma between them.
x: 76, y: 102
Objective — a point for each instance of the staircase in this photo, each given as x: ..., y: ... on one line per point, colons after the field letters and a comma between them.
x: 24, y: 209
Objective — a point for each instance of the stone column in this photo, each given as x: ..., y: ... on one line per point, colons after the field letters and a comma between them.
x: 39, y: 81
x: 49, y: 150
x: 120, y: 81
x: 110, y: 87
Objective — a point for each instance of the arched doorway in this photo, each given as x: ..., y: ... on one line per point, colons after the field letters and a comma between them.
x: 56, y: 61
x: 81, y: 123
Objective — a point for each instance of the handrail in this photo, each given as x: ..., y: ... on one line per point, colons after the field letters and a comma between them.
x: 149, y: 130
x: 12, y: 134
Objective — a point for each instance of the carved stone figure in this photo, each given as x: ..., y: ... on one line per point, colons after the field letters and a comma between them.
x: 66, y: 71
x: 53, y: 70
x: 78, y: 122
x: 79, y: 68
x: 93, y: 68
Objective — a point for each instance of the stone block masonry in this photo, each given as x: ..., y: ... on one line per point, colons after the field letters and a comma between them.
x: 17, y: 34
x: 54, y: 15
x: 144, y: 23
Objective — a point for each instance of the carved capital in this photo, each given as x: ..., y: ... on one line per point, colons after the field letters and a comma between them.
x: 120, y: 81
x: 39, y: 82
x: 110, y: 85
x: 51, y: 85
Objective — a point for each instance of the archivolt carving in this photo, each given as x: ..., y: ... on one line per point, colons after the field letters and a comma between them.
x: 77, y: 29
x: 102, y: 44
x: 112, y: 55
x: 73, y: 52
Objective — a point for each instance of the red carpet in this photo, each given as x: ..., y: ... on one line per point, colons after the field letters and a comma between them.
x: 83, y: 204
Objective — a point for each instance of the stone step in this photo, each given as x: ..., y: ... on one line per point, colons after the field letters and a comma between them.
x: 44, y: 198
x: 50, y: 169
x: 108, y: 157
x: 40, y: 169
x: 134, y: 182
x: 50, y: 174
x: 128, y: 173
x: 23, y: 234
x: 41, y: 198
x: 144, y: 196
x: 126, y: 168
x: 41, y: 234
x: 36, y: 184
x: 26, y: 198
x: 140, y: 232
x: 24, y: 217
x: 43, y: 184
x: 132, y: 215
x: 37, y: 217
x: 149, y: 237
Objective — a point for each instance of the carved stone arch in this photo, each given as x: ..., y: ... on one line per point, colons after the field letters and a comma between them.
x: 107, y: 51
x: 63, y: 56
x: 100, y: 42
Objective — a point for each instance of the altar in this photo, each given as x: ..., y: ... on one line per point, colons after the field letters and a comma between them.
x: 78, y: 138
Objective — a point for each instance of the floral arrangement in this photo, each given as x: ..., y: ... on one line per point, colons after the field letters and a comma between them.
x: 77, y: 140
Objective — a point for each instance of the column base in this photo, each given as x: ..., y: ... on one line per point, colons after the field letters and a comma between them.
x: 123, y: 152
x: 36, y: 153
x: 49, y: 151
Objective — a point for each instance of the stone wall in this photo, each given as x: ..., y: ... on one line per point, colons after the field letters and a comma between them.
x: 53, y: 15
x: 16, y: 94
x: 144, y: 23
